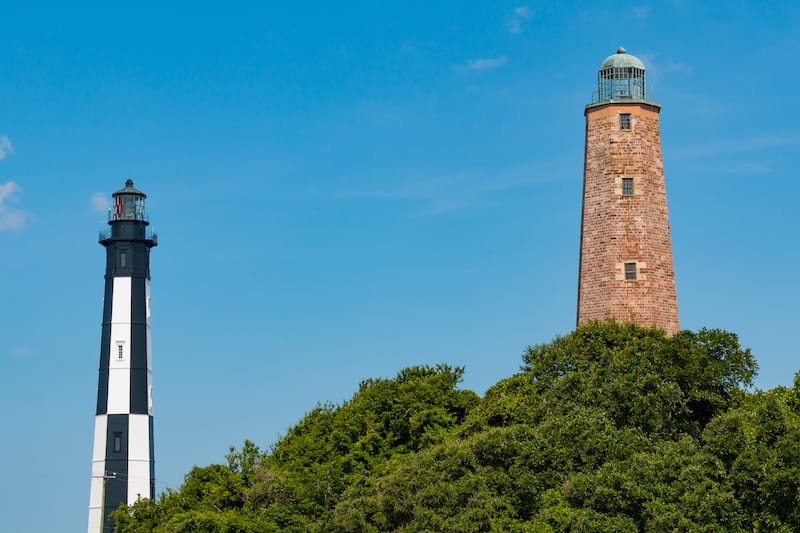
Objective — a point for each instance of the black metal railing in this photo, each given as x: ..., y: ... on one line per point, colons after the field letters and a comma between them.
x: 149, y: 235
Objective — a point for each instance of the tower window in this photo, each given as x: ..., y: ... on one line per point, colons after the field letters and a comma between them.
x: 627, y: 186
x: 624, y: 121
x: 117, y: 442
x: 630, y: 271
x: 120, y: 350
x: 123, y: 259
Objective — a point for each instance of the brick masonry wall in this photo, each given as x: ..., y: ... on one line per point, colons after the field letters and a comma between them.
x: 618, y: 229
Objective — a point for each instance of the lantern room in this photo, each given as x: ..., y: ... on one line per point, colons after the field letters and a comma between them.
x: 128, y: 204
x: 621, y: 77
x: 128, y: 219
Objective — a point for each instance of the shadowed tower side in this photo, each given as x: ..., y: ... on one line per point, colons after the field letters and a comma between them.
x: 626, y: 272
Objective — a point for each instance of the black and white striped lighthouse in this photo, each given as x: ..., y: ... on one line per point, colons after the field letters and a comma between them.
x: 122, y: 461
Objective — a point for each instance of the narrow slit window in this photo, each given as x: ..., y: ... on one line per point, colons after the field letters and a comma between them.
x: 630, y: 271
x: 123, y: 259
x: 624, y: 121
x: 117, y: 442
x: 627, y: 186
x: 120, y: 351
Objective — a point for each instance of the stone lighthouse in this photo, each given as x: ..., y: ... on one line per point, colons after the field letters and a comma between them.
x: 122, y: 461
x: 626, y: 271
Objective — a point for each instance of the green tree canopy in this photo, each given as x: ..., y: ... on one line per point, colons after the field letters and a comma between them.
x: 613, y: 427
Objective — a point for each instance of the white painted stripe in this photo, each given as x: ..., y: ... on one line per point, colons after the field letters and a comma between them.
x: 100, y: 429
x: 147, y: 300
x: 119, y: 391
x: 149, y: 351
x: 139, y: 439
x: 138, y: 457
x: 149, y: 392
x: 98, y: 470
x: 138, y: 480
x: 120, y: 336
x: 149, y: 348
x: 119, y: 375
x: 95, y: 520
x: 96, y: 494
x: 121, y: 304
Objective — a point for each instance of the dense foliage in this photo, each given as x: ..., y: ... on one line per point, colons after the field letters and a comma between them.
x: 611, y: 428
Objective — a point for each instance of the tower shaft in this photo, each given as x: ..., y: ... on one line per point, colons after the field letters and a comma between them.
x: 122, y: 458
x: 626, y: 270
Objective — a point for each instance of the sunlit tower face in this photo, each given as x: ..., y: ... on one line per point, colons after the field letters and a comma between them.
x: 122, y: 460
x: 626, y: 271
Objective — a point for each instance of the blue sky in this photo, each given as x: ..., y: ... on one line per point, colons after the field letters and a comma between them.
x: 342, y: 190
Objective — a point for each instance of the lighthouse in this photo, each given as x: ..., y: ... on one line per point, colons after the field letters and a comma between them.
x: 626, y: 272
x: 122, y: 460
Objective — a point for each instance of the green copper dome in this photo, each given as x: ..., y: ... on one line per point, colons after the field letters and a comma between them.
x: 621, y: 77
x: 621, y: 60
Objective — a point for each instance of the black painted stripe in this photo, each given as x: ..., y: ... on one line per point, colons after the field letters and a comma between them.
x: 116, y: 484
x: 152, y: 462
x: 105, y: 347
x: 138, y: 301
x: 136, y: 262
x: 139, y: 391
x: 138, y: 374
x: 138, y: 385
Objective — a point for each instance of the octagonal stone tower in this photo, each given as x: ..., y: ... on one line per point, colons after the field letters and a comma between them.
x: 626, y: 272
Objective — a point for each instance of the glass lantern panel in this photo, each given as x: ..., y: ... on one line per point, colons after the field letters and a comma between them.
x: 128, y: 207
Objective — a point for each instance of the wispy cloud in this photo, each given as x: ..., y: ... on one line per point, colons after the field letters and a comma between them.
x: 99, y: 202
x: 518, y: 17
x: 23, y: 352
x: 725, y: 147
x: 440, y: 194
x: 10, y: 218
x: 5, y: 147
x: 655, y: 67
x: 641, y: 12
x: 489, y: 63
x: 752, y: 167
x: 678, y: 67
x: 408, y: 46
x: 435, y: 193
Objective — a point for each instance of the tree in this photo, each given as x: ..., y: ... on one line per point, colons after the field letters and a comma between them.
x: 613, y: 427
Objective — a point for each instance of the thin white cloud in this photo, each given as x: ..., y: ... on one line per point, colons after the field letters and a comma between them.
x: 439, y: 194
x: 752, y: 167
x: 657, y: 67
x: 23, y: 352
x: 99, y: 202
x: 724, y: 147
x: 520, y: 15
x: 5, y: 147
x: 10, y: 218
x: 679, y: 67
x: 488, y: 63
